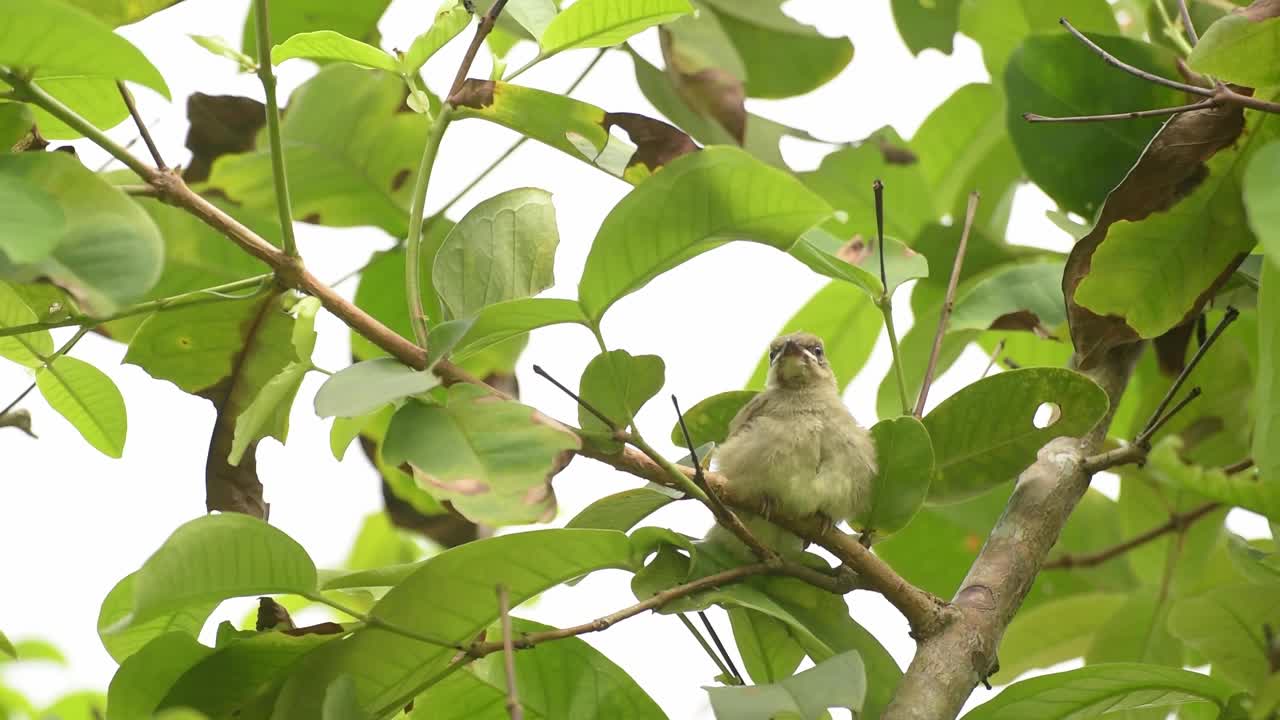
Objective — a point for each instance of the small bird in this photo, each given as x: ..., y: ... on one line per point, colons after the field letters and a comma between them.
x: 795, y: 447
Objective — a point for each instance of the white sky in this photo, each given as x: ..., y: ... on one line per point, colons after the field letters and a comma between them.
x: 73, y: 522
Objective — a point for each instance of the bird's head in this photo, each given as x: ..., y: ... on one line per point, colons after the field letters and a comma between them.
x: 798, y: 361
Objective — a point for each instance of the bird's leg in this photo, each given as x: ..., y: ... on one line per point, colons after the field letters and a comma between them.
x: 825, y: 523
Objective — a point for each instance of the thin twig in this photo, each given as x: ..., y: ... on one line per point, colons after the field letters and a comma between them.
x: 514, y: 708
x: 948, y: 304
x: 1158, y: 112
x: 706, y: 647
x: 1136, y: 451
x: 1177, y: 522
x: 877, y: 188
x: 722, y: 513
x: 1187, y: 24
x: 284, y: 205
x: 142, y: 127
x: 1232, y: 469
x: 18, y: 399
x: 1144, y: 438
x: 482, y: 30
x: 885, y: 301
x: 1227, y: 318
x: 613, y: 426
x: 715, y: 637
x: 1116, y: 62
x: 994, y: 354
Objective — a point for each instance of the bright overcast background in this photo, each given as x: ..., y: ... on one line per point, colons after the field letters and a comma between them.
x: 73, y: 522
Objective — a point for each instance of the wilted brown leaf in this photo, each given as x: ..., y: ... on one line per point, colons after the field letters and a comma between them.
x: 711, y: 91
x: 220, y: 125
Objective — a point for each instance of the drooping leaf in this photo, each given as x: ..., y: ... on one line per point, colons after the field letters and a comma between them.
x: 330, y: 45
x: 13, y: 313
x: 1055, y: 75
x: 350, y: 153
x: 925, y: 24
x: 107, y: 258
x: 366, y: 386
x: 291, y: 17
x: 695, y: 204
x: 839, y: 681
x: 601, y: 23
x: 984, y: 436
x: 1262, y: 198
x: 216, y: 557
x: 502, y: 249
x: 122, y: 637
x: 904, y: 456
x: 88, y: 399
x: 1243, y: 47
x: 854, y: 263
x: 576, y: 128
x: 505, y: 320
x: 848, y: 322
x: 490, y: 458
x: 709, y: 419
x: 387, y: 667
x: 617, y: 384
x: 1227, y: 625
x: 1054, y: 631
x: 220, y: 47
x: 1266, y: 433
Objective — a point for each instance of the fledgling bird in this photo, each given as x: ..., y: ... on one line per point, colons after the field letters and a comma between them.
x: 795, y: 446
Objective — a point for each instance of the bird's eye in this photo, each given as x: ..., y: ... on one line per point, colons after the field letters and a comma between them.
x: 773, y: 353
x: 817, y: 351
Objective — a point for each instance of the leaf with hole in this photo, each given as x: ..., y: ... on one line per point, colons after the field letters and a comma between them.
x: 366, y: 386
x: 87, y: 398
x: 839, y: 681
x: 904, y: 455
x: 985, y: 435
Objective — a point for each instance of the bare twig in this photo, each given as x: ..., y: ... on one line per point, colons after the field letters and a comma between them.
x: 1116, y: 62
x: 706, y: 647
x: 1144, y: 439
x: 1227, y: 318
x: 885, y: 301
x: 1238, y: 467
x: 514, y: 708
x: 715, y: 637
x: 142, y: 127
x: 613, y: 426
x: 1178, y: 522
x: 1136, y: 451
x: 948, y: 305
x: 1158, y: 112
x: 877, y: 188
x: 994, y: 354
x: 18, y: 399
x: 1187, y: 24
x: 482, y: 30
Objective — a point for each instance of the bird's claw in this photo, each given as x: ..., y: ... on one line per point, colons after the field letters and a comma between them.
x: 825, y: 523
x: 767, y: 506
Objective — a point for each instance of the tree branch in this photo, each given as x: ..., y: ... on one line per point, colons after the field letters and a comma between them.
x: 142, y: 127
x: 1158, y: 112
x: 1177, y: 522
x: 514, y: 709
x: 948, y: 665
x: 948, y: 305
x: 1187, y: 24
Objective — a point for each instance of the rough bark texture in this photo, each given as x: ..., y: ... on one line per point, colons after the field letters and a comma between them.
x: 947, y: 666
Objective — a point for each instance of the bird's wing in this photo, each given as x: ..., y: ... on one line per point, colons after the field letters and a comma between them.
x: 754, y: 407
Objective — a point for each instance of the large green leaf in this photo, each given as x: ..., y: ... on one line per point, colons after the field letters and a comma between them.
x: 621, y: 511
x: 1054, y: 631
x: 15, y: 312
x: 381, y: 291
x: 351, y: 154
x: 1262, y: 198
x: 217, y: 557
x: 506, y: 320
x: 984, y: 436
x: 330, y: 45
x: 122, y: 12
x: 291, y: 17
x: 504, y: 248
x: 905, y: 459
x: 1266, y: 433
x: 87, y: 398
x: 695, y: 204
x: 1227, y: 625
x: 366, y: 386
x: 1259, y: 494
x: 143, y: 679
x: 121, y: 637
x: 850, y: 261
x: 1137, y: 632
x: 490, y: 458
x: 388, y: 669
x: 1017, y: 296
x: 1099, y: 689
x: 781, y: 57
x: 617, y: 384
x: 75, y: 229
x: 766, y: 645
x: 1180, y: 563
x: 709, y: 419
x: 601, y: 23
x: 1078, y: 163
x: 839, y: 681
x: 955, y: 139
x: 1243, y: 47
x: 925, y: 24
x: 848, y: 322
x: 1000, y: 26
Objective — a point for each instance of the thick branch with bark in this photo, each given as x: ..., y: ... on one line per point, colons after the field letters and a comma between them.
x: 949, y: 665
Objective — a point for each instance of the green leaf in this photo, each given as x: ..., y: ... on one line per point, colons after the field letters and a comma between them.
x: 955, y: 139
x: 696, y: 203
x: 491, y: 458
x: 122, y: 637
x: 905, y: 458
x: 768, y: 650
x: 1259, y: 494
x: 13, y: 313
x: 709, y: 420
x: 6, y: 647
x: 216, y: 557
x: 983, y: 436
x: 1243, y: 48
x: 56, y: 39
x: 351, y: 154
x: 1179, y: 563
x: 16, y: 124
x: 450, y: 20
x: 601, y: 23
x: 122, y: 12
x: 1262, y: 198
x: 1055, y: 75
x: 366, y: 386
x: 222, y: 48
x: 848, y: 322
x: 267, y: 415
x: 139, y: 686
x: 87, y: 398
x: 781, y: 56
x: 291, y: 17
x: 340, y: 700
x: 1017, y: 296
x: 1000, y: 26
x: 1227, y: 625
x: 504, y: 248
x: 827, y: 255
x: 1137, y: 632
x: 1266, y: 433
x: 108, y: 257
x: 381, y: 291
x: 925, y: 24
x: 618, y: 384
x: 388, y: 668
x: 380, y: 543
x: 1055, y: 631
x: 330, y: 45
x: 839, y: 681
x: 844, y: 179
x: 1099, y: 689
x: 622, y: 511
x: 506, y: 320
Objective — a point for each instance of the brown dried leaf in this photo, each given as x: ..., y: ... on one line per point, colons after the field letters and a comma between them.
x: 657, y: 143
x: 711, y: 91
x: 272, y: 616
x: 220, y: 125
x: 1171, y: 348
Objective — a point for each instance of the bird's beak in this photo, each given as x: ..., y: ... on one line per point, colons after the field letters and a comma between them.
x: 792, y: 348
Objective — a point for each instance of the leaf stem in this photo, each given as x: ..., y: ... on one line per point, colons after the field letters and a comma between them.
x: 197, y: 297
x: 706, y: 647
x: 281, y: 180
x: 1171, y: 30
x: 886, y: 309
x: 948, y: 304
x: 413, y: 243
x: 377, y: 622
x: 514, y: 709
